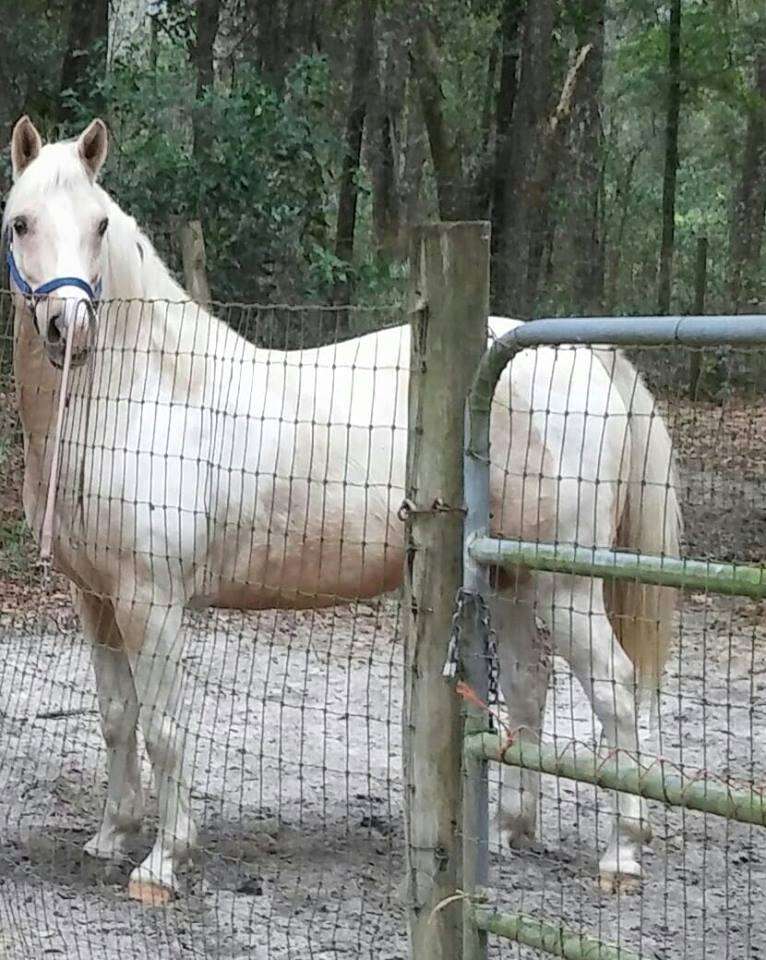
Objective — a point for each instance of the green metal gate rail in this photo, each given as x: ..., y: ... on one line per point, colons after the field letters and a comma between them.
x: 548, y: 937
x: 733, y: 579
x: 482, y: 552
x: 656, y: 780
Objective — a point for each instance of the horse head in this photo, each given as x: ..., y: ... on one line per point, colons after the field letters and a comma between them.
x: 54, y: 225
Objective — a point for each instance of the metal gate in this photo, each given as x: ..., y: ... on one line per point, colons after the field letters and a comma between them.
x: 656, y: 779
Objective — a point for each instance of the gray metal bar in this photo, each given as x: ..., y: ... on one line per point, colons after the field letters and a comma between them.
x: 732, y: 579
x: 475, y: 781
x: 741, y: 331
x: 738, y: 330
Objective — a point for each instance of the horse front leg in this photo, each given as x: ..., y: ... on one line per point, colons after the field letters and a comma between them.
x: 118, y: 707
x: 153, y: 637
x: 525, y: 665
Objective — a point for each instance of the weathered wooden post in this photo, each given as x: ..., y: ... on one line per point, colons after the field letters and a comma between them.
x: 450, y: 298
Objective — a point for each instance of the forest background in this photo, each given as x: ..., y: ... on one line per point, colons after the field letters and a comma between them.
x: 612, y: 145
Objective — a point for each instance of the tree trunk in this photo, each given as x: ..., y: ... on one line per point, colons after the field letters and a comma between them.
x: 193, y: 257
x: 585, y: 217
x: 485, y: 173
x: 671, y: 159
x: 360, y: 88
x: 85, y: 57
x: 700, y: 289
x: 268, y: 46
x: 750, y: 202
x: 513, y: 11
x: 510, y: 262
x: 539, y: 186
x: 415, y: 154
x: 207, y: 19
x: 446, y: 153
x: 622, y: 200
x: 384, y: 126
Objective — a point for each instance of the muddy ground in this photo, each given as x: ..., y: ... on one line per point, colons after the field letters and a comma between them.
x: 295, y: 725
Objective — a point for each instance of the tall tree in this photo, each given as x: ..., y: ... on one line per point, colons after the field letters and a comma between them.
x: 388, y: 90
x: 510, y: 23
x: 207, y: 19
x: 750, y: 199
x: 623, y: 195
x: 85, y: 57
x: 539, y: 185
x: 532, y: 102
x: 453, y: 197
x: 585, y: 176
x: 357, y: 110
x: 671, y: 159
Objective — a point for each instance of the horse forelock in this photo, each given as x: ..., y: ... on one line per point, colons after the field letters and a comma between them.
x: 57, y: 167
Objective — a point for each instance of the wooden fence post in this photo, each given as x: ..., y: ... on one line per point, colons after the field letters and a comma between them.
x: 449, y: 264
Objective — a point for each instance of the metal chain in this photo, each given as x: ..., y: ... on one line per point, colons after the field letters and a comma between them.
x: 493, y: 664
x: 452, y: 661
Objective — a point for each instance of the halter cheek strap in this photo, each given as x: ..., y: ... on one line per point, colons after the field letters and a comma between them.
x: 50, y: 285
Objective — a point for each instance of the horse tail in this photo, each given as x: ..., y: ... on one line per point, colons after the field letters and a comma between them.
x: 642, y: 614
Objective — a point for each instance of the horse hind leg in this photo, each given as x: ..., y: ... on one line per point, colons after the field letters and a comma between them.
x: 525, y: 665
x: 123, y: 810
x: 585, y: 637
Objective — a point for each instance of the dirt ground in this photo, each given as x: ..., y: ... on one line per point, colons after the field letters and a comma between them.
x: 295, y: 732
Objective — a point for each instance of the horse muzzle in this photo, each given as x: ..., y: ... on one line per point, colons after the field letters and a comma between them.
x: 59, y: 318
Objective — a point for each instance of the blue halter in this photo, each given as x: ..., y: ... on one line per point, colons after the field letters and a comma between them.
x: 50, y: 285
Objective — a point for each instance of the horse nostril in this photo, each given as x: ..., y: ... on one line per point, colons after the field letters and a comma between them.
x: 54, y: 332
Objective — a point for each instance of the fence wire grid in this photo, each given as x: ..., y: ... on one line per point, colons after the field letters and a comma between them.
x: 290, y: 719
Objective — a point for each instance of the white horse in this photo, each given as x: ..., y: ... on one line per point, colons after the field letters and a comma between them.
x: 199, y: 470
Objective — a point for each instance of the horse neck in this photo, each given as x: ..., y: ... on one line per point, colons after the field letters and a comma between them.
x: 161, y: 319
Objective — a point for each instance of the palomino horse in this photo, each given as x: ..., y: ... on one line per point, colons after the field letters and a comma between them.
x: 197, y: 469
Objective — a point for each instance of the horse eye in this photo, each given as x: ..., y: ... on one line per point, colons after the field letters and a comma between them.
x: 102, y: 226
x: 20, y: 226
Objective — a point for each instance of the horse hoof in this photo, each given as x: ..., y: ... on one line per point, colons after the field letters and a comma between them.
x: 622, y: 883
x: 150, y: 894
x: 517, y: 832
x: 646, y: 832
x: 98, y: 850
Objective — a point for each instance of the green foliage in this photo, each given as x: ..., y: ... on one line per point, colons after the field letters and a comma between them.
x: 266, y: 183
x: 259, y: 187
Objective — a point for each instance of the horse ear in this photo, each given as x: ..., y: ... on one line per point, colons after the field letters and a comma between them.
x: 26, y: 143
x: 92, y: 147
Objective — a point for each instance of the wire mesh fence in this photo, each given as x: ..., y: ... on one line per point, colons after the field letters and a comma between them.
x: 290, y: 718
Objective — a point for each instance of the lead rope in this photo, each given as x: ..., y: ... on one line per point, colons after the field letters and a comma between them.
x: 46, y: 534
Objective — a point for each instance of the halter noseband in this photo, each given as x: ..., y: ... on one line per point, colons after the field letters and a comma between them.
x: 31, y: 294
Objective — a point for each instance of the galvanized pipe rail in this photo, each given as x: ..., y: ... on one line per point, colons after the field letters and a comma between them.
x: 731, y: 579
x: 482, y: 551
x: 548, y: 937
x: 659, y: 779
